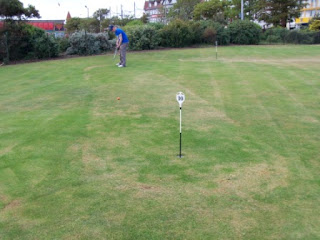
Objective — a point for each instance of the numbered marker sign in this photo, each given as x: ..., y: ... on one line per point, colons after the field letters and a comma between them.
x: 180, y: 98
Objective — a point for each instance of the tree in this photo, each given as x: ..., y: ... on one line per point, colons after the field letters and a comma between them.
x: 315, y: 25
x: 73, y: 25
x: 145, y: 18
x: 183, y: 9
x: 11, y: 9
x: 249, y: 9
x: 279, y: 12
x: 101, y: 14
x: 213, y: 9
x: 18, y: 36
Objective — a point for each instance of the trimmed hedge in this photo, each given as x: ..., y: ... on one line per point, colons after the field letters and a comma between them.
x: 283, y: 36
x: 244, y: 32
x: 275, y: 35
x: 46, y: 47
x: 143, y: 37
x: 222, y: 33
x: 177, y: 33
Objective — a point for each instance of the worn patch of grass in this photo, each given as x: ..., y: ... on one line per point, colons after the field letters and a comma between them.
x: 76, y: 163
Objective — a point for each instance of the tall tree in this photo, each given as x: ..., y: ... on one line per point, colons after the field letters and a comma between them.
x: 13, y: 9
x: 101, y: 14
x: 279, y: 12
x: 183, y: 9
x: 249, y: 8
x: 73, y: 25
x: 145, y: 18
x: 213, y: 9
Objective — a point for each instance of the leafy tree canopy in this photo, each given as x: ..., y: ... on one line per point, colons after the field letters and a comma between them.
x: 11, y: 9
x: 315, y: 25
x: 183, y: 9
x: 101, y: 14
x: 213, y: 9
x: 278, y: 12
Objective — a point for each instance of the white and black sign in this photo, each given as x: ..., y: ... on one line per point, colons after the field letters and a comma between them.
x: 180, y: 98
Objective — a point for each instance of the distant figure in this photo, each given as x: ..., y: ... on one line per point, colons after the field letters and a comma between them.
x: 122, y: 43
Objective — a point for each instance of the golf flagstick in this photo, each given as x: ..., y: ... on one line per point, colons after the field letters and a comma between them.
x: 180, y: 98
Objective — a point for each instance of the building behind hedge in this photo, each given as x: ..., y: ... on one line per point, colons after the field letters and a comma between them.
x: 311, y: 10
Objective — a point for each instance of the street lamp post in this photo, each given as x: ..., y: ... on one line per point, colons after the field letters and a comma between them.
x: 242, y: 10
x: 87, y: 10
x: 100, y: 19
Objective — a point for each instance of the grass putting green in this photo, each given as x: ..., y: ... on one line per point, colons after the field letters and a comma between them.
x: 77, y: 163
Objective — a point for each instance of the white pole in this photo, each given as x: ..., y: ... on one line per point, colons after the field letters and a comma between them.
x: 180, y: 98
x: 241, y: 9
x: 180, y: 132
x: 216, y: 49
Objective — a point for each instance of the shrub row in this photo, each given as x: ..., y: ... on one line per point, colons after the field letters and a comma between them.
x: 285, y: 36
x: 22, y: 41
x: 179, y: 33
x: 26, y: 42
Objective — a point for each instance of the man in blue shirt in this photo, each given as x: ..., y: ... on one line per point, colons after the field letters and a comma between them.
x: 122, y: 43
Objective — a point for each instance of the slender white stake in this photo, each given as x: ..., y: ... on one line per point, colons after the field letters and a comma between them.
x: 180, y: 119
x: 180, y: 98
x: 216, y: 49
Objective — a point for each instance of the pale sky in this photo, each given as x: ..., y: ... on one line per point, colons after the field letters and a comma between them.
x: 58, y: 9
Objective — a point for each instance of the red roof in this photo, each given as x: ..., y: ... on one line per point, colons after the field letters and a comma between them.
x: 43, y: 25
x: 68, y: 16
x: 1, y: 24
x: 146, y: 5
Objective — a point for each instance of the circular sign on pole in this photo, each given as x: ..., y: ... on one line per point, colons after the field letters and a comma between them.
x: 180, y: 98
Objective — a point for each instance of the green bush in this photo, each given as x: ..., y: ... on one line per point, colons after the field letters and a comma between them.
x: 135, y: 22
x: 300, y: 37
x: 273, y: 39
x: 195, y: 32
x: 157, y: 25
x: 244, y: 32
x: 275, y: 35
x: 142, y: 37
x: 24, y: 41
x: 63, y: 44
x: 210, y: 35
x: 46, y: 47
x: 222, y: 33
x: 177, y: 34
x: 83, y: 43
x: 316, y: 38
x: 283, y: 35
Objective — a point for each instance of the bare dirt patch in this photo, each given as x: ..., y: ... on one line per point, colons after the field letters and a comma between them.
x: 93, y: 67
x: 257, y: 178
x: 273, y: 61
x: 6, y: 150
x: 12, y: 205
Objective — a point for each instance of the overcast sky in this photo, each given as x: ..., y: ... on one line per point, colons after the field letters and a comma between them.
x: 58, y: 9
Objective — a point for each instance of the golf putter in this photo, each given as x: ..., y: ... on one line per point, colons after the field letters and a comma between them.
x: 115, y: 53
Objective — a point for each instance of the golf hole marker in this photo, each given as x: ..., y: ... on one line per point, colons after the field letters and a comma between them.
x: 216, y: 49
x: 180, y: 98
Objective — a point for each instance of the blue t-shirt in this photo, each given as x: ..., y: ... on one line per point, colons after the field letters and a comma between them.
x: 124, y: 35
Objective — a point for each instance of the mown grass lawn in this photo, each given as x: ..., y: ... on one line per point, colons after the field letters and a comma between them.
x: 76, y: 163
